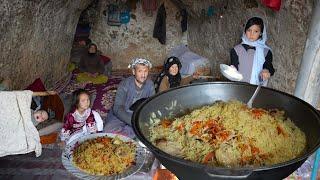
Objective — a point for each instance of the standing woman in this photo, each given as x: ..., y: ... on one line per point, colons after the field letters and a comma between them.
x: 253, y: 58
x: 170, y: 76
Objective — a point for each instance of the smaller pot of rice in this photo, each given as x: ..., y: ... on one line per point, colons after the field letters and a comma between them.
x: 206, y: 131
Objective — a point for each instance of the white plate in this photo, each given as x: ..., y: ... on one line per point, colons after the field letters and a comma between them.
x: 230, y: 73
x: 67, y: 157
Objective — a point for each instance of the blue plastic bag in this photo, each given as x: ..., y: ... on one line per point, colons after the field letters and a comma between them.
x: 125, y: 17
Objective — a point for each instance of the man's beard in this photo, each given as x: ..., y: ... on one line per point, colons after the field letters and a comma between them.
x: 138, y: 81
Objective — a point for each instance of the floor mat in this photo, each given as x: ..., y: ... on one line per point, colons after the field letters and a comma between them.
x: 49, y: 166
x: 27, y: 166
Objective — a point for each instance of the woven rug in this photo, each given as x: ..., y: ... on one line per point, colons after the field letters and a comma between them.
x: 102, y: 94
x: 27, y: 166
x: 49, y: 167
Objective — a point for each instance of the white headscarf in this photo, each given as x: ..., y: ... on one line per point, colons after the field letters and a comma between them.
x: 259, y: 57
x: 136, y: 61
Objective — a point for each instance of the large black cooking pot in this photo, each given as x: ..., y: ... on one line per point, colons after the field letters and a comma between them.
x: 177, y: 101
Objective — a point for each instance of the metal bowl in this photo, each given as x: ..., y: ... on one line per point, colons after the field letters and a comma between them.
x: 179, y: 100
x: 67, y: 157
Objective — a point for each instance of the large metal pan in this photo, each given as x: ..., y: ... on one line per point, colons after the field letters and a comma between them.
x: 179, y: 100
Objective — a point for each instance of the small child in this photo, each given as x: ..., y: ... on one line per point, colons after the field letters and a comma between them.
x: 39, y: 116
x: 82, y: 119
x: 253, y: 58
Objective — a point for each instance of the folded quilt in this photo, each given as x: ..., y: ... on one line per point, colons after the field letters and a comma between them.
x: 18, y: 134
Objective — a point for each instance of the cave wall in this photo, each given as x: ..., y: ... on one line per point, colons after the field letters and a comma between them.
x: 287, y: 30
x: 36, y: 38
x: 135, y: 39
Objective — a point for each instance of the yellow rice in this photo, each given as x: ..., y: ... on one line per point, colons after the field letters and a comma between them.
x: 104, y: 156
x: 232, y: 135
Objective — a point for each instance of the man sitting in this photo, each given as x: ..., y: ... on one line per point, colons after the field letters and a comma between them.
x: 129, y: 91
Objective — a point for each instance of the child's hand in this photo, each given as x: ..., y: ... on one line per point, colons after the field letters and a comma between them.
x: 265, y: 74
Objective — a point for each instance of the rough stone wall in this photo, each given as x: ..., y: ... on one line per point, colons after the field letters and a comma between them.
x: 135, y: 39
x: 36, y: 38
x: 287, y: 30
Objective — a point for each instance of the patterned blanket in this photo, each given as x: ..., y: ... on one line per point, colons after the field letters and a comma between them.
x: 102, y: 95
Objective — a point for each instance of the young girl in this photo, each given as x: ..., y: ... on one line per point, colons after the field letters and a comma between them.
x: 253, y: 58
x: 82, y: 119
x: 170, y: 76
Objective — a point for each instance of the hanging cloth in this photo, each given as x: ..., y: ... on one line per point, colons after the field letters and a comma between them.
x: 132, y: 4
x: 114, y: 18
x: 149, y: 5
x: 184, y: 20
x: 272, y: 4
x: 125, y: 16
x: 159, y: 30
